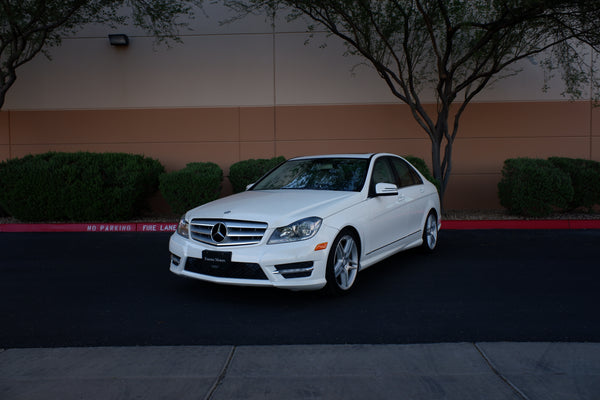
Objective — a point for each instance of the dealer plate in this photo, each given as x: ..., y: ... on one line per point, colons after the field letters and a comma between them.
x: 216, y: 258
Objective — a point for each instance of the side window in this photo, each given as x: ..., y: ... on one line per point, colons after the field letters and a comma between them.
x: 382, y: 172
x: 406, y: 175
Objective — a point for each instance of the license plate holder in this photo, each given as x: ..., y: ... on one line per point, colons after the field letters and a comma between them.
x: 216, y: 259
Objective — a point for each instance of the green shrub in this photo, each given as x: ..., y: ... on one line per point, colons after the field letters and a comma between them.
x: 244, y: 173
x: 585, y: 177
x: 534, y: 187
x: 196, y: 184
x: 77, y: 186
x: 422, y: 167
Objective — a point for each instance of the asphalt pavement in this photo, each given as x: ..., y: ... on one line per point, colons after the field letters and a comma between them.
x: 518, y: 310
x: 115, y: 289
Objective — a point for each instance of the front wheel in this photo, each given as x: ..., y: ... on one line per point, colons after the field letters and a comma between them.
x: 430, y: 232
x: 342, y: 263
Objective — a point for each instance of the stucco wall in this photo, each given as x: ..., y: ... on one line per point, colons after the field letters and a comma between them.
x: 251, y: 89
x: 491, y: 132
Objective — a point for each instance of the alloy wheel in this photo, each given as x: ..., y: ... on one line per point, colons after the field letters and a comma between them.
x: 345, y: 265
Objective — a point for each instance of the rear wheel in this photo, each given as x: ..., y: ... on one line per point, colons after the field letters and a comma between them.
x: 342, y: 263
x: 430, y: 232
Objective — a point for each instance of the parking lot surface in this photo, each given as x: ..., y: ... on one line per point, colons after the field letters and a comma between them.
x: 491, y: 315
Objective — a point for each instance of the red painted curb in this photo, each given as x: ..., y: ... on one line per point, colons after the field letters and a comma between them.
x: 585, y: 224
x: 171, y: 227
x: 522, y: 224
x: 91, y: 227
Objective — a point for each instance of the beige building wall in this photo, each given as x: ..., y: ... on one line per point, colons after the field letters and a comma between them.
x: 251, y: 90
x: 491, y: 133
x: 4, y: 136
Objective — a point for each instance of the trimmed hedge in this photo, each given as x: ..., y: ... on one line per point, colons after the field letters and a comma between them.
x: 77, y: 186
x: 422, y: 167
x: 244, y: 173
x: 194, y: 185
x: 585, y: 177
x: 534, y: 187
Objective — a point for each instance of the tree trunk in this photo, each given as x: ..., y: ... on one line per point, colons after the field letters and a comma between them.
x: 441, y: 165
x: 8, y: 79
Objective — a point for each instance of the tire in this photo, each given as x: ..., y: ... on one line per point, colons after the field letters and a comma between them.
x: 342, y: 263
x: 430, y: 233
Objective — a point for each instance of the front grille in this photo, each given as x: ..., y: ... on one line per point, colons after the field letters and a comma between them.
x: 226, y: 270
x: 227, y: 232
x: 295, y: 270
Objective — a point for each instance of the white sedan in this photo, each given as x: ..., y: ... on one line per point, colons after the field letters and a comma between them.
x: 311, y: 223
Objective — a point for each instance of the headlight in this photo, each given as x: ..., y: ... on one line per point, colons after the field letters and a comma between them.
x: 300, y: 230
x: 183, y: 228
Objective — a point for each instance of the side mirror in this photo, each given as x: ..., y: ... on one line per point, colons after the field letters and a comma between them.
x: 250, y: 186
x: 386, y: 189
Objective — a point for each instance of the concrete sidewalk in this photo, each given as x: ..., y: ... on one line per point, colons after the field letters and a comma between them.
x: 460, y: 371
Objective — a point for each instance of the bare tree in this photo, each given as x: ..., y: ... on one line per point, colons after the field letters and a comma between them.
x: 453, y: 48
x: 28, y: 27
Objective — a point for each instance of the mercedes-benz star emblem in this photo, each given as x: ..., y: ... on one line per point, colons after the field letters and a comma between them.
x: 218, y: 232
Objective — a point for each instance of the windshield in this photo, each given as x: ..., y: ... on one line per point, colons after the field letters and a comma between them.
x: 342, y: 174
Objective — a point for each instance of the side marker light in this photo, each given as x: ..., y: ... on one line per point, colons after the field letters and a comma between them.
x: 321, y: 246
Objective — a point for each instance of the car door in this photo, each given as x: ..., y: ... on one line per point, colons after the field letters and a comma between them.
x: 411, y: 191
x: 387, y: 226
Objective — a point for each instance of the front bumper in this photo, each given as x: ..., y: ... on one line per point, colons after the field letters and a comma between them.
x: 295, y: 266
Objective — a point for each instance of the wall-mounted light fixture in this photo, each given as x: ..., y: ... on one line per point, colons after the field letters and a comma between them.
x: 118, y: 39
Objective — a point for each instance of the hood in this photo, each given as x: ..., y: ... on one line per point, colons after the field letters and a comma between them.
x: 276, y: 207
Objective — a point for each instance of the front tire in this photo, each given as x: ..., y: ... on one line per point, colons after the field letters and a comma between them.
x: 430, y: 233
x: 342, y: 263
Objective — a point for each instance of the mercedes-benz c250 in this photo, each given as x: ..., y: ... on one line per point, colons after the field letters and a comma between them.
x: 311, y: 223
